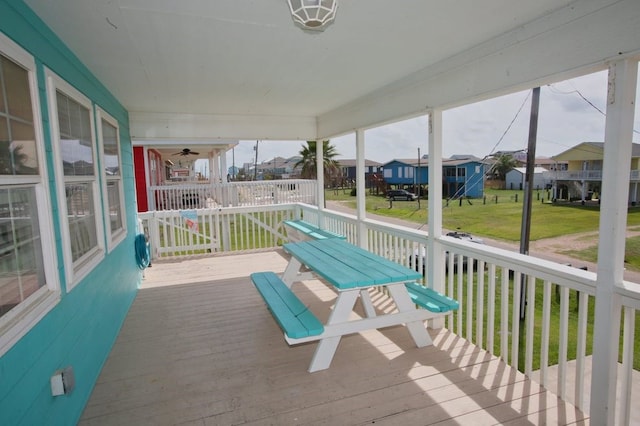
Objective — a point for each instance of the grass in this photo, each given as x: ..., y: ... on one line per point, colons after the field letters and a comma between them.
x: 499, y: 216
x: 500, y: 220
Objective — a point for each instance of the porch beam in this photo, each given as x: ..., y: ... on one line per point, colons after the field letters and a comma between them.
x: 361, y: 204
x: 435, y: 275
x: 613, y: 220
x: 320, y: 181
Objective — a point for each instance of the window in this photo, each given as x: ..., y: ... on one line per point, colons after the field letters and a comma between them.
x: 74, y: 150
x: 408, y: 172
x: 388, y: 173
x: 28, y: 286
x: 462, y: 172
x: 112, y: 177
x: 450, y: 171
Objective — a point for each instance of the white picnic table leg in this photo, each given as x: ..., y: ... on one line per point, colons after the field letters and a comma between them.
x: 365, y: 298
x: 404, y: 303
x: 327, y: 347
x: 291, y: 272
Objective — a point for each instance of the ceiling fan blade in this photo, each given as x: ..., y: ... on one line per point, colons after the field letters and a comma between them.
x: 194, y: 153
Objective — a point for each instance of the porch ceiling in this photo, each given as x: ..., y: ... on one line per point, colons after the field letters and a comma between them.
x: 241, y: 69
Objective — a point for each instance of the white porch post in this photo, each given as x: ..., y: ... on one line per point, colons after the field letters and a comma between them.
x: 435, y: 275
x: 320, y: 181
x: 360, y: 190
x: 223, y: 166
x: 613, y: 220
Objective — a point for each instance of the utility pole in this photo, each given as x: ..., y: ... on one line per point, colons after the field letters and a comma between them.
x: 418, y: 178
x: 525, y: 231
x: 255, y: 164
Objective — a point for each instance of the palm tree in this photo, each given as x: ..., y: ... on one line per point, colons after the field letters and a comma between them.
x: 309, y: 162
x: 503, y: 165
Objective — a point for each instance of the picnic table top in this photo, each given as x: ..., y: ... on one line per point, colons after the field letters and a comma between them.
x: 347, y: 266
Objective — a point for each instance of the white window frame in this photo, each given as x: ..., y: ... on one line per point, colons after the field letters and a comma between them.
x: 74, y: 271
x: 113, y: 238
x: 16, y: 323
x: 387, y: 173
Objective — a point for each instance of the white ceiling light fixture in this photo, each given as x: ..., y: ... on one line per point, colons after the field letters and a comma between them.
x: 313, y: 15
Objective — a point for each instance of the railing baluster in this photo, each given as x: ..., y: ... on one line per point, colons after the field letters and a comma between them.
x: 624, y: 413
x: 544, y: 338
x: 491, y: 308
x: 563, y: 342
x: 504, y: 315
x: 469, y: 332
x: 515, y: 320
x: 530, y: 325
x: 581, y: 347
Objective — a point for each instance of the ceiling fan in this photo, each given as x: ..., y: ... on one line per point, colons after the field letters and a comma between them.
x: 186, y: 152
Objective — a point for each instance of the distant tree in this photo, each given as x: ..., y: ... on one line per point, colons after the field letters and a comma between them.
x: 309, y: 163
x: 504, y: 164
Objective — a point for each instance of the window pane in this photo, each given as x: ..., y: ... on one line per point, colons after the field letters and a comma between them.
x: 115, y: 209
x: 21, y: 262
x: 76, y: 145
x: 16, y: 81
x: 110, y: 143
x: 18, y: 154
x: 82, y: 220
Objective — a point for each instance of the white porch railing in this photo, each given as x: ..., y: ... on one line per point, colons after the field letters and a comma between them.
x: 596, y: 175
x: 488, y: 282
x: 179, y: 196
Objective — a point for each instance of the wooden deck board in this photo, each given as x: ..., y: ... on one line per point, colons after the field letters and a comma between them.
x: 199, y: 347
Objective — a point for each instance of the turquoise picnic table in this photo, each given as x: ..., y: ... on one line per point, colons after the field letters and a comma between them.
x: 352, y: 271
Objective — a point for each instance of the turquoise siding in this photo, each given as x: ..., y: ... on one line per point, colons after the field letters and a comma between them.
x: 82, y: 328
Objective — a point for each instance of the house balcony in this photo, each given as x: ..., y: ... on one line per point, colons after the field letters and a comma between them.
x: 586, y: 175
x: 199, y: 344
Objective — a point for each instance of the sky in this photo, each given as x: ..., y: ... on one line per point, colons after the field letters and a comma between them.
x: 570, y: 112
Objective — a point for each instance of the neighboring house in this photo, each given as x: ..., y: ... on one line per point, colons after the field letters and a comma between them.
x: 68, y: 271
x: 550, y: 164
x: 404, y: 172
x: 582, y: 180
x: 348, y: 169
x: 515, y: 178
x: 462, y: 176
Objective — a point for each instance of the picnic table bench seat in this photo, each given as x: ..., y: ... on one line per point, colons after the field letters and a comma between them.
x: 302, y: 230
x: 430, y: 299
x: 293, y: 316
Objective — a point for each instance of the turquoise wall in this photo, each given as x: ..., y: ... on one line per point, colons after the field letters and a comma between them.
x: 83, y: 326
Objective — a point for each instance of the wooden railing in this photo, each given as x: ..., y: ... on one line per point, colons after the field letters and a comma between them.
x: 181, y: 196
x: 533, y: 313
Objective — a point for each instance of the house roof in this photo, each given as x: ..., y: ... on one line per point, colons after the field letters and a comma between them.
x: 352, y: 163
x: 523, y: 170
x: 242, y: 70
x: 590, y: 151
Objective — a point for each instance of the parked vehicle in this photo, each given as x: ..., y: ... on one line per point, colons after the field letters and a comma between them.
x: 401, y: 194
x: 414, y: 260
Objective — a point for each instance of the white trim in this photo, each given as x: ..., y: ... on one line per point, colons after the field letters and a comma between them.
x: 113, y: 239
x: 18, y: 321
x: 74, y: 271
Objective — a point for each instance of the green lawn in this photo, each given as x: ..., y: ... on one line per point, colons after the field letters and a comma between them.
x: 497, y: 216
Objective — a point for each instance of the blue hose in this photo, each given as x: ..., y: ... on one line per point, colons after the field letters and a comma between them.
x: 143, y: 259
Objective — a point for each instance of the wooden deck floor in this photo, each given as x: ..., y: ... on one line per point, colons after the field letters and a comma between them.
x: 199, y: 347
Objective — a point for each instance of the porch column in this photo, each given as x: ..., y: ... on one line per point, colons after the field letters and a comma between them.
x: 320, y: 181
x: 435, y: 276
x: 223, y: 166
x: 360, y: 190
x: 613, y: 220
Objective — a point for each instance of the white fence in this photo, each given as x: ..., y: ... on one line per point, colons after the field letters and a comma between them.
x: 180, y: 196
x: 534, y: 314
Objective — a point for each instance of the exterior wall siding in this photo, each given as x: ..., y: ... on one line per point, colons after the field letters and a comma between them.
x: 81, y: 329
